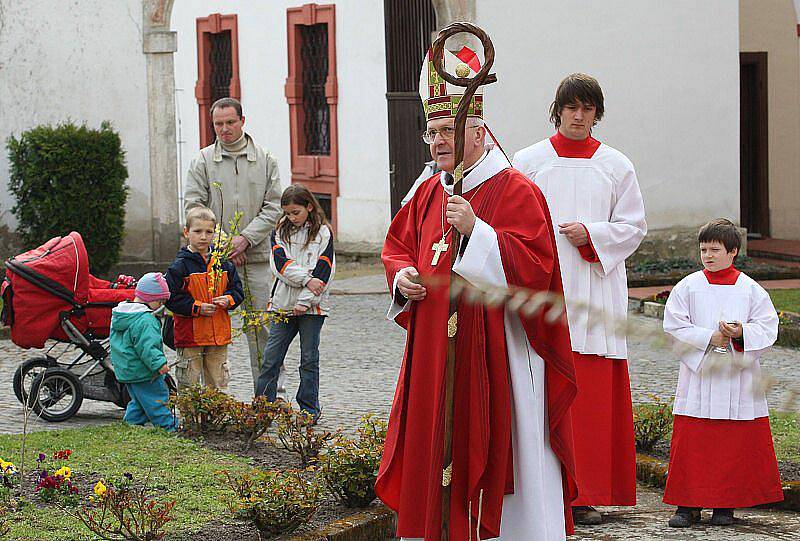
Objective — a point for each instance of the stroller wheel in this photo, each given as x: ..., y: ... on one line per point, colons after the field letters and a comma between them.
x: 27, y: 372
x: 56, y: 394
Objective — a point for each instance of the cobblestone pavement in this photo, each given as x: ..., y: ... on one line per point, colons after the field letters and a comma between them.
x: 648, y: 521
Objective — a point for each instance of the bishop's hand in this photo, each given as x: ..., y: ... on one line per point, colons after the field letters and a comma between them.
x: 409, y: 286
x: 460, y: 215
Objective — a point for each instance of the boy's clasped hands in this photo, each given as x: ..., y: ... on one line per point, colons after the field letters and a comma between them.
x: 727, y: 331
x: 209, y: 309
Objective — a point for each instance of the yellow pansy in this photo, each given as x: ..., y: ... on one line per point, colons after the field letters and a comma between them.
x: 100, y: 489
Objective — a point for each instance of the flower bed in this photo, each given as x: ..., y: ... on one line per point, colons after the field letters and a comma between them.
x: 185, y: 470
x: 302, y: 473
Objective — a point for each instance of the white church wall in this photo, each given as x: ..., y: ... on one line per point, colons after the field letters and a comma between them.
x: 79, y: 61
x: 363, y: 203
x: 670, y: 75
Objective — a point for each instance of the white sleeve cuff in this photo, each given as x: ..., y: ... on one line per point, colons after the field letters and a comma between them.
x: 396, y: 307
x: 481, y: 263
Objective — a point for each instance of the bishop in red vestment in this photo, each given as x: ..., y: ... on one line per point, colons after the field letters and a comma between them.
x: 513, y: 465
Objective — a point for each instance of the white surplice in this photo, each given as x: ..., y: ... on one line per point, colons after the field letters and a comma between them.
x: 603, y: 194
x: 536, y: 509
x: 720, y: 385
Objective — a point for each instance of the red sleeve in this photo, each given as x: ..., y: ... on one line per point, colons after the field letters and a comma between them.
x: 587, y: 251
x: 401, y: 247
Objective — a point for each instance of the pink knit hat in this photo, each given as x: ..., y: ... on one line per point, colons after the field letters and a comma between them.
x: 152, y: 287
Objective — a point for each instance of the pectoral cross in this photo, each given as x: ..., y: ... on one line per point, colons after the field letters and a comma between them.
x: 438, y: 248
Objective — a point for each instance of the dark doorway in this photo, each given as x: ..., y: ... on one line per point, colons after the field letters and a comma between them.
x: 753, y: 144
x: 409, y: 26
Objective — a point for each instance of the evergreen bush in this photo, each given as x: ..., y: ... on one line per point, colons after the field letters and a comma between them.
x: 70, y: 178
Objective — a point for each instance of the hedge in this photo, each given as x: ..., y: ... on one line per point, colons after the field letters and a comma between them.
x: 70, y: 178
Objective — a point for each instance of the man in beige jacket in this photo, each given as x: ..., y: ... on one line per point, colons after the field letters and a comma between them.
x: 237, y: 175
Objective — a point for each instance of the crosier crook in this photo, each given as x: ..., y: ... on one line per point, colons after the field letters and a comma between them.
x: 483, y: 77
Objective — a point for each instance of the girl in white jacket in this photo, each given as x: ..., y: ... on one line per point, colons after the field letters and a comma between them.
x: 303, y: 262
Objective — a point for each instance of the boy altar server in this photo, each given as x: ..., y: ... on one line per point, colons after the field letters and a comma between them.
x: 722, y: 456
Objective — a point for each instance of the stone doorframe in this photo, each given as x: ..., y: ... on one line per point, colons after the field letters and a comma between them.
x: 450, y: 11
x: 158, y: 45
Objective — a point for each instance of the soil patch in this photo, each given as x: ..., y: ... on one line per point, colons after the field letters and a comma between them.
x: 266, y: 453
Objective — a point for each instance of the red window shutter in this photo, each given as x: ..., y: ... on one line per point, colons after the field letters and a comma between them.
x: 311, y: 32
x: 215, y: 31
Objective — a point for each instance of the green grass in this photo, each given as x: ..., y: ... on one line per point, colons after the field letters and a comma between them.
x: 786, y: 300
x: 181, y: 470
x: 786, y: 435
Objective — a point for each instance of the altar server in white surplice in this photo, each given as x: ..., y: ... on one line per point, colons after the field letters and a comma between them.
x: 598, y: 213
x: 722, y: 456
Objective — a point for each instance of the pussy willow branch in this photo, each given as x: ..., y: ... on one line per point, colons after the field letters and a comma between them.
x: 527, y: 303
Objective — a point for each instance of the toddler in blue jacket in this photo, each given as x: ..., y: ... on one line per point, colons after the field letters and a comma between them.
x: 137, y: 353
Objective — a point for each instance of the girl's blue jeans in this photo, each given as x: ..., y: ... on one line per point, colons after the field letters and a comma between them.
x: 280, y: 337
x: 149, y: 403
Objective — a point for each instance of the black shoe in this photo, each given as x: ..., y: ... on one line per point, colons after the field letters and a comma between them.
x: 722, y: 517
x: 586, y: 515
x: 684, y: 517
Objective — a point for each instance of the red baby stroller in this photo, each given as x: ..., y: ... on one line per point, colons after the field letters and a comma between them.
x: 48, y: 294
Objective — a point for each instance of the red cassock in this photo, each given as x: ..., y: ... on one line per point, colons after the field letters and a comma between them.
x: 409, y: 480
x: 602, y: 420
x: 722, y: 463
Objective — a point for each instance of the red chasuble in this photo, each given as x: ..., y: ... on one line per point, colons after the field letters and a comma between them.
x: 409, y: 480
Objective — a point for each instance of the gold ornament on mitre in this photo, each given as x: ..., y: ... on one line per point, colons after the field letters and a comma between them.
x: 440, y: 99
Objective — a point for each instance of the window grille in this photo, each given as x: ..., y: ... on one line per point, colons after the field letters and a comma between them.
x: 217, y: 67
x: 316, y: 112
x: 219, y: 57
x: 325, y: 202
